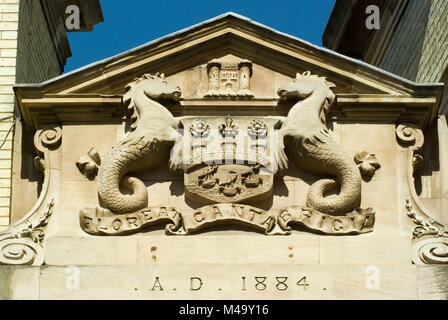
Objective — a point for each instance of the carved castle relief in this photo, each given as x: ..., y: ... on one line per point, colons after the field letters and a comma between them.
x: 231, y: 161
x: 229, y: 79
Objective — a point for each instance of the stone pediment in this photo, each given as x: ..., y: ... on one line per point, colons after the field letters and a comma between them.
x: 94, y: 92
x: 247, y: 130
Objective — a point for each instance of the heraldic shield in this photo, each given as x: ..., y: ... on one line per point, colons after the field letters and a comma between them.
x: 234, y: 164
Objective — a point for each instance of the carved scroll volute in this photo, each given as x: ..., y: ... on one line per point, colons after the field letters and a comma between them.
x: 430, y: 251
x: 411, y: 136
x: 23, y: 242
x: 47, y: 138
x: 430, y: 238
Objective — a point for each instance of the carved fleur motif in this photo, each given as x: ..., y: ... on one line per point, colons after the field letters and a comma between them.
x: 199, y: 129
x: 257, y: 129
x: 228, y: 129
x: 367, y: 163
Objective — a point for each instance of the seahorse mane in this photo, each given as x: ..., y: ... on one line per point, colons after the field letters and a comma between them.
x: 128, y: 100
x: 307, y: 75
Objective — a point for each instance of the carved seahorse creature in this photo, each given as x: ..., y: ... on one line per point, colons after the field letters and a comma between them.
x: 307, y: 138
x: 153, y: 132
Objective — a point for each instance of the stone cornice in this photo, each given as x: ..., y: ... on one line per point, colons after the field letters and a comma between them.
x: 40, y: 109
x: 365, y: 93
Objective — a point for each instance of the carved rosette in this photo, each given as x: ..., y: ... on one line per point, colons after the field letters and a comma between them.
x: 430, y: 238
x: 431, y: 251
x: 23, y: 242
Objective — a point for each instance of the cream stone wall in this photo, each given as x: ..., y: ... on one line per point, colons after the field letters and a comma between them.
x: 9, y: 25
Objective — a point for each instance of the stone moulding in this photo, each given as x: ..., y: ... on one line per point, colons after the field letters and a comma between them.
x: 430, y: 238
x: 23, y: 242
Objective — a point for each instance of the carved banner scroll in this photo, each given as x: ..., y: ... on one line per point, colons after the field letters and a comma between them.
x: 99, y: 221
x: 355, y: 222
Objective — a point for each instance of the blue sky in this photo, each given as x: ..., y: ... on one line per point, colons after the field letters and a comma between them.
x: 130, y: 23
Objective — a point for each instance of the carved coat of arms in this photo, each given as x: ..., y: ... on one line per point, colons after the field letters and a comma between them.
x: 229, y: 159
x: 228, y: 162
